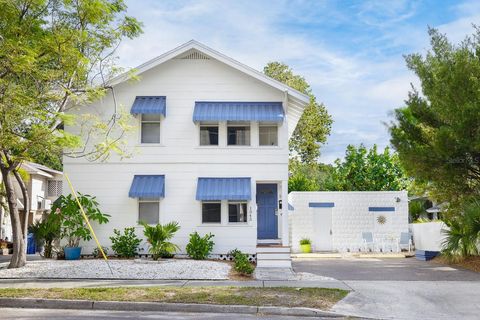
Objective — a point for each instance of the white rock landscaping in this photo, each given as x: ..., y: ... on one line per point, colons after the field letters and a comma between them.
x: 122, y: 269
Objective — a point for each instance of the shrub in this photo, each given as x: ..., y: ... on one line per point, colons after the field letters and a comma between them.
x: 73, y: 225
x: 463, y: 235
x: 125, y: 245
x: 241, y: 263
x: 199, y: 248
x: 97, y: 254
x: 305, y: 241
x: 158, y: 237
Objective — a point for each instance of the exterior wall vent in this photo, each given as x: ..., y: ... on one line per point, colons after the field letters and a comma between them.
x: 194, y: 55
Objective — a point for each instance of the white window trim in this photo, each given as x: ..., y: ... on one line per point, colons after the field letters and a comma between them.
x: 139, y: 200
x: 143, y: 144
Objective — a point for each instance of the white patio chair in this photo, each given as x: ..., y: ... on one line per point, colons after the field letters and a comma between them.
x: 368, y: 241
x: 405, y: 241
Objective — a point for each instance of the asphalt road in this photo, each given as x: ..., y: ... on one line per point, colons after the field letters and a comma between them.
x: 401, y: 288
x: 54, y: 314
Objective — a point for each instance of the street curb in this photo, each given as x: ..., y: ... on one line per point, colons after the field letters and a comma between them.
x: 161, y: 307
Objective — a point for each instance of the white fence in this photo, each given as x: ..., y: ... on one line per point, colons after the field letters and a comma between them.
x: 428, y: 236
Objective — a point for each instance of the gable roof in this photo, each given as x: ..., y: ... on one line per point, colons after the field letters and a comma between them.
x: 192, y: 44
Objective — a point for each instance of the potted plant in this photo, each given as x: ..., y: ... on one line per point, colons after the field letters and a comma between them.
x: 158, y: 237
x: 305, y: 245
x: 73, y: 225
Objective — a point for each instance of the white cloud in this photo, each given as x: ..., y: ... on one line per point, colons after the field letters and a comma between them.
x: 361, y: 78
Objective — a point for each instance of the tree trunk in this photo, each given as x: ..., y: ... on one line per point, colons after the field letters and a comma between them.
x: 19, y: 256
x: 26, y: 202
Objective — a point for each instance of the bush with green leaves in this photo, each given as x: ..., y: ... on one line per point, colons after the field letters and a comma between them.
x: 159, y: 237
x: 46, y: 232
x: 73, y: 225
x: 97, y: 254
x: 125, y: 245
x: 304, y: 241
x: 463, y: 233
x: 199, y: 248
x: 241, y: 263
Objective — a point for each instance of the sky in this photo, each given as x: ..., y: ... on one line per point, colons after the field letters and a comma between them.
x: 351, y: 52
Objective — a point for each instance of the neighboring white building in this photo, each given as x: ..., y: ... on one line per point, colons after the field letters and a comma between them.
x: 211, y: 151
x: 335, y: 220
x: 44, y: 186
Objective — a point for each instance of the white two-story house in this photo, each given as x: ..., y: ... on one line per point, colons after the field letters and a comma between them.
x: 211, y: 151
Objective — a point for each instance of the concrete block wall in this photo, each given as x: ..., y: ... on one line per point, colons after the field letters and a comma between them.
x: 350, y: 217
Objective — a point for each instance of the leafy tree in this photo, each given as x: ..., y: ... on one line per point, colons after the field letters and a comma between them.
x: 463, y: 233
x: 54, y: 56
x: 308, y: 176
x: 437, y: 133
x: 368, y: 170
x: 314, y: 126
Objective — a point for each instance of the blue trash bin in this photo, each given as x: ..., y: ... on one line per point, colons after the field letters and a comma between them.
x: 31, y: 244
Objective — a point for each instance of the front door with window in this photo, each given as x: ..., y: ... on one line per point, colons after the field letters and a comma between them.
x: 267, y: 224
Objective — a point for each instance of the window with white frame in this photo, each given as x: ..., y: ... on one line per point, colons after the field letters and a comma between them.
x: 238, y: 134
x: 268, y: 135
x: 237, y: 212
x: 150, y: 128
x: 149, y: 210
x: 211, y: 212
x: 54, y: 188
x: 209, y: 134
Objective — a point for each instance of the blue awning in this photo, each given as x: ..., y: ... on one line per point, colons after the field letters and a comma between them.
x: 147, y: 186
x: 321, y: 204
x: 381, y: 209
x: 238, y: 111
x: 149, y: 105
x: 224, y: 189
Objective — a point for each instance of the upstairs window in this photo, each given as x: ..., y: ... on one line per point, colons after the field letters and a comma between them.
x: 268, y: 135
x: 150, y: 131
x: 238, y: 135
x: 237, y: 212
x: 54, y: 188
x: 209, y: 135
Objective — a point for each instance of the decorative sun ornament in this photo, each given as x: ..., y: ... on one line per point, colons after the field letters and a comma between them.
x: 381, y: 219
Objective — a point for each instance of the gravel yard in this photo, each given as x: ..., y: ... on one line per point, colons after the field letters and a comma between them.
x: 122, y: 269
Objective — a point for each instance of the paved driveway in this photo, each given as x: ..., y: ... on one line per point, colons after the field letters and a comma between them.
x: 401, y: 288
x: 401, y: 269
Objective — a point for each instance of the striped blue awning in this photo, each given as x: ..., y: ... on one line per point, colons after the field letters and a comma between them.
x: 149, y: 105
x: 224, y: 189
x: 238, y: 111
x: 147, y: 186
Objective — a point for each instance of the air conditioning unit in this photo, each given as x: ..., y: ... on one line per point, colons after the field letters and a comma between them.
x: 47, y: 204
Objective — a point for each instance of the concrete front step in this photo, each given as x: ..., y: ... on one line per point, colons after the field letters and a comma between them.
x: 275, y: 249
x: 274, y: 263
x: 273, y: 256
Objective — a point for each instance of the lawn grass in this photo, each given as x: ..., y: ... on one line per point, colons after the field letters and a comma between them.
x: 318, y: 298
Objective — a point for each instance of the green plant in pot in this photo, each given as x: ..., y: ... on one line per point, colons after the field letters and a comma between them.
x: 73, y: 225
x: 305, y: 245
x: 159, y: 237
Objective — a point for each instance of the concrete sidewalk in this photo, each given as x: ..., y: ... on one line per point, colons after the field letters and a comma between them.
x: 88, y: 283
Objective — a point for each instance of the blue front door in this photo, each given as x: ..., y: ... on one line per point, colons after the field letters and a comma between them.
x: 267, y: 227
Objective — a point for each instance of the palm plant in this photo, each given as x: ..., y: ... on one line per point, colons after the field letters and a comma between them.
x: 159, y: 237
x: 463, y: 235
